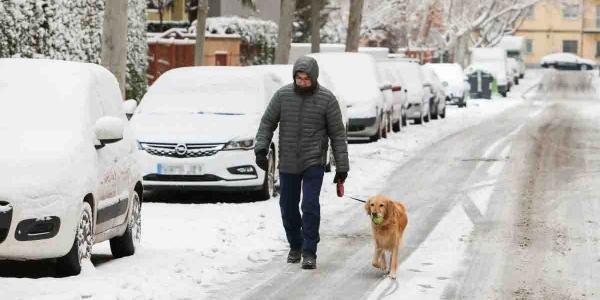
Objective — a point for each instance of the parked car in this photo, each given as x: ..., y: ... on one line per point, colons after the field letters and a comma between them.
x: 454, y: 82
x: 390, y: 74
x: 437, y: 102
x: 495, y: 60
x: 516, y: 48
x: 284, y: 73
x: 359, y: 88
x: 567, y: 61
x: 195, y: 129
x: 418, y: 108
x: 70, y: 178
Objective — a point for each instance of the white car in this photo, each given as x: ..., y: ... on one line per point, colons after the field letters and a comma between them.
x: 453, y: 81
x: 513, y: 64
x: 359, y: 88
x: 69, y: 176
x: 438, y: 100
x: 390, y: 74
x: 195, y: 129
x: 419, y: 94
x: 284, y: 73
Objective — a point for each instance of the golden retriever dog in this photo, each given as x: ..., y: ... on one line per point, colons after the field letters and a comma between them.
x: 388, y: 220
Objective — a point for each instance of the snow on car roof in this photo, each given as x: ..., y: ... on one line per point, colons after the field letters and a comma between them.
x: 211, y: 89
x: 486, y: 54
x: 560, y: 57
x: 448, y: 72
x: 48, y: 86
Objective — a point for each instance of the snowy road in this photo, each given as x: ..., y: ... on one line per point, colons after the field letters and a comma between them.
x: 507, y: 209
x: 502, y: 203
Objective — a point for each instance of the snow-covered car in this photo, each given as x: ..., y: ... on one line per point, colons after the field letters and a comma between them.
x: 566, y: 61
x: 494, y: 59
x: 437, y: 102
x: 359, y: 88
x: 419, y: 94
x: 390, y: 74
x: 69, y: 176
x: 454, y: 83
x: 285, y: 75
x: 195, y: 129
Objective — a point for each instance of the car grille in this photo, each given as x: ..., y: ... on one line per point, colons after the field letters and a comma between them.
x: 181, y: 150
x: 197, y: 178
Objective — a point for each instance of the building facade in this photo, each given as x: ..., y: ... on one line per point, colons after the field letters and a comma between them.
x: 176, y: 10
x: 562, y: 26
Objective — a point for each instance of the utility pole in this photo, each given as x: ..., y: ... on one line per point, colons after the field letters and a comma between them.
x: 354, y: 21
x: 201, y: 15
x: 284, y: 36
x: 114, y: 40
x: 315, y: 26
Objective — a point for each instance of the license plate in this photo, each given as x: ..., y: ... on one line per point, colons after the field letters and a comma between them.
x: 182, y: 169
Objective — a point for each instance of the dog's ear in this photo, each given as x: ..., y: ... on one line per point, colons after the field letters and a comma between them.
x: 368, y: 206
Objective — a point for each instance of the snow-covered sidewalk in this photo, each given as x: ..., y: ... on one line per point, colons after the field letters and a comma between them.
x: 188, y: 249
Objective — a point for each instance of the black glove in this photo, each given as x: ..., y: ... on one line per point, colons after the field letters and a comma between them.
x: 261, y: 160
x: 340, y: 176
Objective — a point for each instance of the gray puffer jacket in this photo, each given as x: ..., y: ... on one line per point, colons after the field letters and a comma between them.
x: 307, y: 122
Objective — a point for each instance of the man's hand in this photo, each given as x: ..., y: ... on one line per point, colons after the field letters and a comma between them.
x: 261, y: 160
x: 340, y: 176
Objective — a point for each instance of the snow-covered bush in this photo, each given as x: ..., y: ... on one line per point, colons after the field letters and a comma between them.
x: 259, y: 37
x: 71, y: 30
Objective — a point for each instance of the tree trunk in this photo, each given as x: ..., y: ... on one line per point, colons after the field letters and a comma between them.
x: 201, y: 15
x: 284, y: 37
x: 315, y: 26
x: 114, y: 40
x: 354, y: 21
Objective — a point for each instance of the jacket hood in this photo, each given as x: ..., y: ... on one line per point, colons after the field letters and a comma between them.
x: 309, y: 66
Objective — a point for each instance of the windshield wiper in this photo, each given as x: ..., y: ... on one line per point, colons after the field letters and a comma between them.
x: 219, y: 113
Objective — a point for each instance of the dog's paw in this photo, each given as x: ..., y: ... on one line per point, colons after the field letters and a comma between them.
x: 376, y: 265
x: 392, y: 276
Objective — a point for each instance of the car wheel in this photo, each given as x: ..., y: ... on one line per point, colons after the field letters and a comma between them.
x: 434, y: 115
x: 419, y: 120
x: 384, y: 129
x: 377, y: 135
x: 70, y: 264
x: 443, y: 114
x: 268, y: 186
x: 427, y: 117
x: 404, y: 121
x: 126, y: 244
x: 397, y: 126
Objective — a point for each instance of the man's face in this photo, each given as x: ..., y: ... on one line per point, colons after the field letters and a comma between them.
x: 302, y: 80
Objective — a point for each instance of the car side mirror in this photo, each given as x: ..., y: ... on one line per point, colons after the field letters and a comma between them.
x: 108, y: 129
x: 129, y: 107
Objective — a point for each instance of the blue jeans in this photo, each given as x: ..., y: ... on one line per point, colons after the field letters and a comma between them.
x: 302, y: 231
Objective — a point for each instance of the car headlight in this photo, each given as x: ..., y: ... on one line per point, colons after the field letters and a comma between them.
x: 245, y: 144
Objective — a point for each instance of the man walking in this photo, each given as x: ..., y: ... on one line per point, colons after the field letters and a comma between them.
x: 309, y: 116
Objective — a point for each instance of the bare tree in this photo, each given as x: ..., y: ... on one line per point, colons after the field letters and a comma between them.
x: 354, y: 22
x: 284, y: 37
x: 201, y: 15
x: 114, y: 40
x: 315, y: 26
x: 160, y: 6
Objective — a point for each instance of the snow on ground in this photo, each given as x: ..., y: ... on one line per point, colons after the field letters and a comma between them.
x: 188, y: 249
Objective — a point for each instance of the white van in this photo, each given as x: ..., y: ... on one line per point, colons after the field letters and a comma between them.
x: 195, y: 129
x: 69, y: 175
x: 494, y: 59
x: 359, y: 88
x: 516, y: 48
